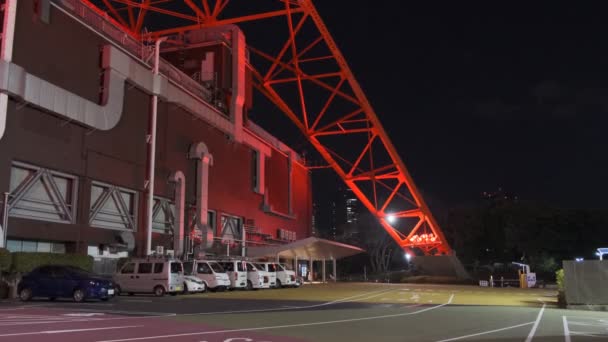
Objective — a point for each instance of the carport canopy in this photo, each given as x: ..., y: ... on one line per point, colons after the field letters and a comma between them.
x: 311, y: 248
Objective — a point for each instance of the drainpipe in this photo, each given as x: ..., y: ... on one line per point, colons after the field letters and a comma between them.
x: 152, y: 146
x: 180, y: 203
x: 6, y: 54
x: 4, y: 220
x: 204, y: 159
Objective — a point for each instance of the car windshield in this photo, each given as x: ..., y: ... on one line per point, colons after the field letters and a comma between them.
x: 217, y: 268
x: 260, y: 267
x: 281, y: 267
x: 176, y: 267
x: 188, y: 267
x: 272, y: 267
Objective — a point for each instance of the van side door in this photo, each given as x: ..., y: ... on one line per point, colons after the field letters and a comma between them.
x: 143, y: 277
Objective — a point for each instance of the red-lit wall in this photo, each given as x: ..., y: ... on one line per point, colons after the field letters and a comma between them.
x: 118, y: 156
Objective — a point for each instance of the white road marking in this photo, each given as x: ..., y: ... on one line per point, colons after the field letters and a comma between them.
x: 566, y: 329
x: 69, y: 331
x: 485, y: 332
x: 536, y: 323
x: 586, y: 334
x: 287, y: 325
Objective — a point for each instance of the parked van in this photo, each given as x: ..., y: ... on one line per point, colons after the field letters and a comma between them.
x: 210, y: 272
x: 285, y: 276
x: 237, y: 273
x: 151, y: 275
x: 271, y: 268
x: 257, y: 278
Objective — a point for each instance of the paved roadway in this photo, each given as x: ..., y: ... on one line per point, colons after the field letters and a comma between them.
x: 337, y: 312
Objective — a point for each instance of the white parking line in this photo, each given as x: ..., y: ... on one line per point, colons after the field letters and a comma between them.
x: 286, y: 326
x: 485, y: 332
x: 535, y: 326
x: 69, y: 331
x: 566, y: 329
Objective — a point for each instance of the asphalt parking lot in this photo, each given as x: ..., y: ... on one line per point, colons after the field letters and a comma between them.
x: 331, y: 312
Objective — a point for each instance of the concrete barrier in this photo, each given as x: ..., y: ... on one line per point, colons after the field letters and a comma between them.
x: 586, y: 282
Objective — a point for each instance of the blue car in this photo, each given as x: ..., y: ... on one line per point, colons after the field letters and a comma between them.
x: 64, y: 282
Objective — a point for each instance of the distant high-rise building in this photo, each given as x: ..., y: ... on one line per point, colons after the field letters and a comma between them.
x: 352, y: 207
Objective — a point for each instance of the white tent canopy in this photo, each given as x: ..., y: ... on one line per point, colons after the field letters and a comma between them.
x: 311, y: 248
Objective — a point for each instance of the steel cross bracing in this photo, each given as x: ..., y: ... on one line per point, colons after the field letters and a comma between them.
x: 306, y: 76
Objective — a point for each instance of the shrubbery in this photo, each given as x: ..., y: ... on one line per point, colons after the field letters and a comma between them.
x: 5, y: 260
x: 24, y: 262
x: 559, y: 276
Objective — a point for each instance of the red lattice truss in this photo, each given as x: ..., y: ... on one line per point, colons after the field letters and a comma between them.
x: 306, y: 76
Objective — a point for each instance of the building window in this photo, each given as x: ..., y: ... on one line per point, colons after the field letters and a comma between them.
x: 163, y: 215
x: 35, y: 246
x: 255, y: 170
x: 232, y: 229
x: 112, y: 207
x: 42, y: 194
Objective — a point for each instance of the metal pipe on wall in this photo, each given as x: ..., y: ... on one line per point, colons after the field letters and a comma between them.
x: 6, y: 54
x: 152, y: 149
x: 4, y: 220
x: 180, y: 204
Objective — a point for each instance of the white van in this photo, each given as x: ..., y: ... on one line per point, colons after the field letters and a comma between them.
x: 210, y: 272
x: 257, y: 278
x: 285, y: 276
x: 237, y: 273
x: 158, y: 276
x: 271, y: 269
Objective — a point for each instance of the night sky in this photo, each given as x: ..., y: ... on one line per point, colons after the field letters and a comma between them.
x: 476, y: 98
x: 486, y: 97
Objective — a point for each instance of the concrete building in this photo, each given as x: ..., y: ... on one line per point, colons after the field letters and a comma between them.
x: 76, y: 110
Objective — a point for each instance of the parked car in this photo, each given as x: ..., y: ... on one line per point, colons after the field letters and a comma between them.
x: 150, y: 275
x: 193, y: 284
x: 237, y: 273
x: 210, y: 272
x: 257, y: 278
x: 64, y: 282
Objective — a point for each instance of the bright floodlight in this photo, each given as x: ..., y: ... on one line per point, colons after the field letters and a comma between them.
x: 408, y: 256
x: 391, y: 218
x: 578, y: 259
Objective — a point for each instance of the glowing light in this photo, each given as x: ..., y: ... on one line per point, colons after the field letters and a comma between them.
x: 391, y: 218
x: 408, y: 256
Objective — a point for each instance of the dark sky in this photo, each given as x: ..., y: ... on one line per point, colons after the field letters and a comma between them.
x: 486, y: 97
x: 479, y: 97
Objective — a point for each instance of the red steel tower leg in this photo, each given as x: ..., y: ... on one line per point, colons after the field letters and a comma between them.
x: 307, y: 78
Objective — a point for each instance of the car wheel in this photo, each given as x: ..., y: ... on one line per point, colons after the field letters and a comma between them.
x: 117, y: 290
x: 159, y: 291
x: 279, y: 285
x: 105, y: 299
x: 25, y: 294
x: 78, y: 295
x: 186, y: 291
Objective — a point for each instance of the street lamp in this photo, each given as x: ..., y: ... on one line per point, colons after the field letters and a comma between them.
x: 408, y: 257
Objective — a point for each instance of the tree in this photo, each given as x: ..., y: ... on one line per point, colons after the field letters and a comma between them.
x: 367, y: 233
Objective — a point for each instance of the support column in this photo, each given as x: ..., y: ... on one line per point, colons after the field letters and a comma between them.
x: 310, y: 272
x: 204, y: 160
x: 323, y: 270
x: 335, y: 270
x: 295, y: 266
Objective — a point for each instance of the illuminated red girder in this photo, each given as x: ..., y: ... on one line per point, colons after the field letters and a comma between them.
x: 306, y: 76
